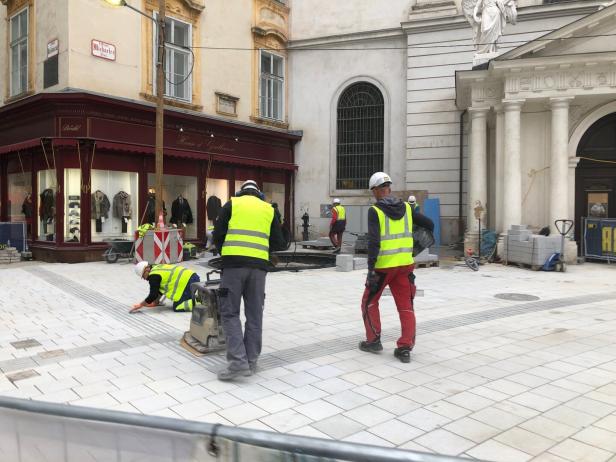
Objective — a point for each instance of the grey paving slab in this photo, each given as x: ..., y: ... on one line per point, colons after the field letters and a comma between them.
x: 490, y: 378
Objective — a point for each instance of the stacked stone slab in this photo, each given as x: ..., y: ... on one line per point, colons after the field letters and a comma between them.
x: 344, y: 262
x: 522, y: 246
x: 426, y: 257
x: 9, y: 255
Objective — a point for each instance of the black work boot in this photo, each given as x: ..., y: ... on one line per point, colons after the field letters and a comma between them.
x: 403, y: 354
x: 371, y: 347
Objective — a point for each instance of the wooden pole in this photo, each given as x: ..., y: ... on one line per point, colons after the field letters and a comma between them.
x: 160, y: 104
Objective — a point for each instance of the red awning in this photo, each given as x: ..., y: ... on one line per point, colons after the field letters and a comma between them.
x: 36, y: 142
x: 198, y: 155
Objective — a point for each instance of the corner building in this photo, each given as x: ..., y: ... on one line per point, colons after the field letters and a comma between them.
x: 77, y: 116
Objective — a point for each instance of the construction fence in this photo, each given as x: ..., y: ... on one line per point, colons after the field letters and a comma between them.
x: 599, y: 238
x: 33, y: 431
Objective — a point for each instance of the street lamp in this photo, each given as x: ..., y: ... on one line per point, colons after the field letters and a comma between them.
x: 160, y: 92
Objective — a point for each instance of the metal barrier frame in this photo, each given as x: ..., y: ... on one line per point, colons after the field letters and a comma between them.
x: 608, y: 258
x: 24, y: 232
x: 296, y: 444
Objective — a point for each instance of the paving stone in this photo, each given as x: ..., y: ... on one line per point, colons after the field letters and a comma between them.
x: 444, y: 442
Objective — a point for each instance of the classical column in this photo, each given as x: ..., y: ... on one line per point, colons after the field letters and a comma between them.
x: 499, y: 168
x: 512, y: 175
x: 559, y: 162
x: 477, y: 166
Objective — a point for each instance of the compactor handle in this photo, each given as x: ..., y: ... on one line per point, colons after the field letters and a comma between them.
x: 563, y: 226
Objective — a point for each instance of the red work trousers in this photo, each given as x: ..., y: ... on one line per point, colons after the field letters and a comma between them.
x: 403, y: 290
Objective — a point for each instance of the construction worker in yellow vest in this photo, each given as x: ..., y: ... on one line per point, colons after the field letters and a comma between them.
x: 337, y: 225
x: 172, y: 281
x: 390, y: 263
x: 245, y: 232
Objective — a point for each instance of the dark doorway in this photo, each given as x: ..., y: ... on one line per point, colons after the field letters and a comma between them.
x: 595, y: 175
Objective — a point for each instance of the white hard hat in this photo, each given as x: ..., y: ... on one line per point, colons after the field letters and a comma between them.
x: 249, y: 184
x: 379, y: 179
x: 336, y: 201
x: 412, y: 198
x: 140, y: 268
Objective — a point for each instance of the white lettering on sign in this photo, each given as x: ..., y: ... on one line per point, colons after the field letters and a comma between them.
x: 53, y: 48
x: 103, y: 50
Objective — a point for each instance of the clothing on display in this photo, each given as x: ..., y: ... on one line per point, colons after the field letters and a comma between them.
x: 73, y: 217
x: 150, y: 209
x: 26, y: 207
x: 122, y: 209
x: 214, y: 204
x: 180, y: 212
x: 100, y: 209
x: 47, y: 208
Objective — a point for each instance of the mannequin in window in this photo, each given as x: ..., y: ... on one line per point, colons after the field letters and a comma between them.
x: 213, y: 206
x: 26, y: 209
x: 47, y: 208
x: 122, y: 209
x: 100, y: 209
x: 150, y: 208
x: 180, y: 212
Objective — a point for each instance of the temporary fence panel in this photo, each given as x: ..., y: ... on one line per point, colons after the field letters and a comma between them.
x: 14, y: 235
x: 432, y: 209
x: 160, y: 246
x: 32, y: 431
x: 600, y: 238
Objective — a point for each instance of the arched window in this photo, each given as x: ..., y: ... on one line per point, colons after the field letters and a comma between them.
x: 359, y: 146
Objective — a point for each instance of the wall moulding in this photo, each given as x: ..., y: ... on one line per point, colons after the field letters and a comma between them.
x: 572, y: 81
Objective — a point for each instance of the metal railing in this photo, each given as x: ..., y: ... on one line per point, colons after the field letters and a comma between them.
x: 34, y: 430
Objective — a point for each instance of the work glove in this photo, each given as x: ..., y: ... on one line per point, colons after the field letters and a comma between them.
x: 373, y: 282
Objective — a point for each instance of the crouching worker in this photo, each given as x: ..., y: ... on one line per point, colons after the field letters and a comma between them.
x: 172, y: 281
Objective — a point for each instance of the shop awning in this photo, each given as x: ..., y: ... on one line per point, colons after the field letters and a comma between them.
x: 198, y: 155
x: 34, y: 142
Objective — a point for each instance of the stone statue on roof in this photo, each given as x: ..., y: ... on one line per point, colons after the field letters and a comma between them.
x: 488, y: 19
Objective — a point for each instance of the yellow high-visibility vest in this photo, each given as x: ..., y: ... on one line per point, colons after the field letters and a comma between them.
x: 249, y: 228
x: 396, y: 240
x: 174, y: 279
x: 341, y: 212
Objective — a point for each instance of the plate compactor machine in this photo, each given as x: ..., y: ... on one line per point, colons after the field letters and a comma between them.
x: 206, y: 334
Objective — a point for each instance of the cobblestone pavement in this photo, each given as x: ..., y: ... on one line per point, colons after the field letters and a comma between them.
x: 490, y: 378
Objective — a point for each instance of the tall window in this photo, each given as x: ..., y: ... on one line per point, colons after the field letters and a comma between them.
x: 178, y: 59
x: 271, y: 86
x: 19, y: 53
x: 359, y: 151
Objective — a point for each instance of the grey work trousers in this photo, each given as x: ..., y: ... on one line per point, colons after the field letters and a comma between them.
x: 244, y: 348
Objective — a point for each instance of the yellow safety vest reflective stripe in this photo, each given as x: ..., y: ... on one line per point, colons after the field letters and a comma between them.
x: 174, y: 279
x: 396, y: 240
x: 341, y: 212
x: 249, y: 228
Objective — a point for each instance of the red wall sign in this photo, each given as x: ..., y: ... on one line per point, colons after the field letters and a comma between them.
x: 103, y: 50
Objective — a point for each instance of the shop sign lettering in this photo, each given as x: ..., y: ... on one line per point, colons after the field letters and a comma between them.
x: 103, y: 50
x: 608, y: 239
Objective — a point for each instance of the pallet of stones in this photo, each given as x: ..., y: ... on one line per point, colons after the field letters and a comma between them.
x: 9, y: 255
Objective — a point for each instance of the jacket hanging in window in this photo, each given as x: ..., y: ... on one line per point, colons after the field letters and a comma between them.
x: 26, y: 207
x: 180, y: 212
x: 150, y: 209
x: 121, y: 205
x: 214, y: 204
x: 47, y: 209
x: 100, y: 205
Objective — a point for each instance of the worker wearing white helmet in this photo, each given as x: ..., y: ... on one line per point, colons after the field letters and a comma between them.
x: 171, y: 281
x: 390, y: 263
x: 337, y: 225
x: 413, y: 202
x: 246, y: 231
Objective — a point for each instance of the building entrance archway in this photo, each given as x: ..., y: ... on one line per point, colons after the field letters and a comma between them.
x: 595, y: 175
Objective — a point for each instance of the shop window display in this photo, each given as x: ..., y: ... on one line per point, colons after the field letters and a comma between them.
x: 180, y: 199
x: 113, y: 204
x: 47, y: 187
x: 72, y: 205
x: 217, y: 194
x: 21, y: 205
x: 274, y: 194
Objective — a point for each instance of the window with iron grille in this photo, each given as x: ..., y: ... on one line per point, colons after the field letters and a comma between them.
x: 19, y: 53
x: 178, y: 59
x: 360, y: 138
x: 271, y: 86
